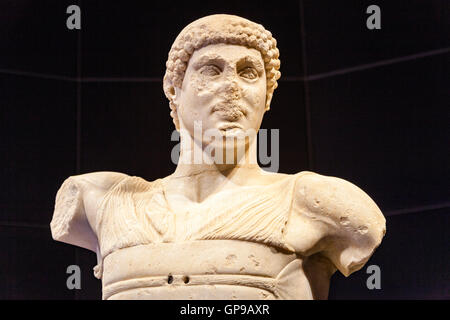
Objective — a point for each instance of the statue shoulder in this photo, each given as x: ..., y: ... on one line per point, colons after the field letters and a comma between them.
x: 340, y: 200
x: 76, y: 205
x: 347, y: 223
x: 101, y: 180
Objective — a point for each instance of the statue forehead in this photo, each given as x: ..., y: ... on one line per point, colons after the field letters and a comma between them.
x: 227, y: 52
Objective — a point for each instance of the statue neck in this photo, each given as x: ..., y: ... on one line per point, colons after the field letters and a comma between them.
x: 225, y: 157
x: 200, y: 172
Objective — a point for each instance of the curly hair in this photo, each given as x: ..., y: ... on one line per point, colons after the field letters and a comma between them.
x: 220, y: 28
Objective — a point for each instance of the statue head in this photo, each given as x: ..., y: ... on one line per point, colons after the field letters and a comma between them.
x: 222, y: 69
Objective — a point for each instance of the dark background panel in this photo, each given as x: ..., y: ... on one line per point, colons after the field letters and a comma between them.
x: 287, y: 114
x: 35, y: 39
x: 127, y: 128
x: 33, y: 266
x: 413, y: 261
x: 386, y: 130
x: 91, y: 287
x: 38, y: 145
x: 336, y: 35
x: 133, y: 38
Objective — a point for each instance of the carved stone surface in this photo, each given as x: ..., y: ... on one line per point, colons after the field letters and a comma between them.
x: 219, y: 229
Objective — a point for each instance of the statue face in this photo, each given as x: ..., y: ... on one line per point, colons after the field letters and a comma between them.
x: 224, y: 87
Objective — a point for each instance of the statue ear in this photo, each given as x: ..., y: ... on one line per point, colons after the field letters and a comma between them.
x: 175, y: 94
x: 172, y: 94
x: 268, y: 101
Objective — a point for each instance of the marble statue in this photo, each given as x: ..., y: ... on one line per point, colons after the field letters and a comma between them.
x: 219, y: 229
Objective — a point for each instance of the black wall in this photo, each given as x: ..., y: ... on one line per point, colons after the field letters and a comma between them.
x: 369, y: 106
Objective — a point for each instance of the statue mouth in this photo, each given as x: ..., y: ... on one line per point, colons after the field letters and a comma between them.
x: 229, y: 111
x: 228, y: 126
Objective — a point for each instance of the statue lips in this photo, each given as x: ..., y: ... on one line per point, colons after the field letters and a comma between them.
x: 229, y: 111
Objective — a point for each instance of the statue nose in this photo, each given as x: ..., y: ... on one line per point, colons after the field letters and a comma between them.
x: 231, y: 89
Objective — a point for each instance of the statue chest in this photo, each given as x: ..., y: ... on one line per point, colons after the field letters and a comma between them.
x: 234, y: 248
x: 130, y: 218
x: 211, y: 269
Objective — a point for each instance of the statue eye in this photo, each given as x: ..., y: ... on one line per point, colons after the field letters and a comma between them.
x: 249, y: 73
x: 210, y: 70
